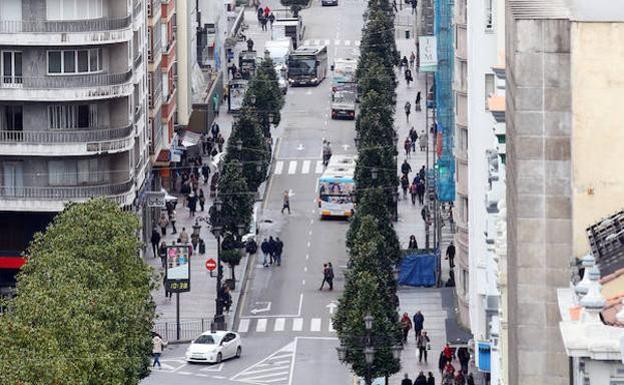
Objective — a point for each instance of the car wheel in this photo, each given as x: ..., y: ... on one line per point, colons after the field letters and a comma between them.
x: 239, y: 351
x: 219, y: 358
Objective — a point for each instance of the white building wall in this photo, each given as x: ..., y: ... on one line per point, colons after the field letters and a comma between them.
x: 186, y: 52
x: 482, y: 51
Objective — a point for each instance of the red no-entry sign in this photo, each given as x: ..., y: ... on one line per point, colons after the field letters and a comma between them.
x: 211, y: 264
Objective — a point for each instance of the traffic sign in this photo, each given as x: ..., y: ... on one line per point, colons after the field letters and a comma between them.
x: 211, y: 264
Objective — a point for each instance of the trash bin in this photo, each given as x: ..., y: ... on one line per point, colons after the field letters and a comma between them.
x: 407, y: 34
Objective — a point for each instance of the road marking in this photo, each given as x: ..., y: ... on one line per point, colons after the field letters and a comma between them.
x: 279, y: 324
x: 327, y: 41
x: 311, y: 221
x: 305, y: 269
x: 347, y: 42
x: 317, y: 42
x: 357, y: 43
x: 331, y: 326
x: 318, y: 169
x: 310, y: 232
x: 308, y: 243
x: 336, y: 42
x: 300, y: 304
x: 265, y: 370
x: 297, y: 324
x: 307, y: 256
x: 217, y: 368
x: 279, y: 165
x: 315, y: 325
x: 305, y: 167
x: 292, y: 167
x: 261, y: 325
x: 303, y: 282
x: 243, y: 325
x: 271, y: 369
x: 306, y: 42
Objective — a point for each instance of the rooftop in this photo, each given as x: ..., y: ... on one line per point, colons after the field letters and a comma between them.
x: 576, y: 10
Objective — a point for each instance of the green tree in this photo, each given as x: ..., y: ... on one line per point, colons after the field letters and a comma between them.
x: 231, y: 252
x: 83, y: 313
x: 236, y: 200
x: 364, y: 296
x: 265, y: 96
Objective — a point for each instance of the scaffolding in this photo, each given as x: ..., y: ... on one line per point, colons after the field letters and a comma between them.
x: 443, y: 29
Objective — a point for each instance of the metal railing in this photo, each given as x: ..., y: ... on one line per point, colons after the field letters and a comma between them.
x: 138, y: 58
x: 69, y: 81
x: 64, y: 192
x: 189, y: 329
x: 136, y: 8
x: 72, y: 26
x: 65, y: 136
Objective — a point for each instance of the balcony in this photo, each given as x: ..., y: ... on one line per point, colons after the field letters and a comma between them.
x: 168, y: 107
x: 137, y: 7
x: 153, y: 10
x: 64, y: 33
x: 54, y: 198
x: 72, y: 87
x: 167, y: 9
x: 168, y: 56
x: 66, y: 142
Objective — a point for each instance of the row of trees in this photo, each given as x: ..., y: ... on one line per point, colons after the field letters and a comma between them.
x: 374, y: 249
x: 247, y: 159
x: 83, y: 310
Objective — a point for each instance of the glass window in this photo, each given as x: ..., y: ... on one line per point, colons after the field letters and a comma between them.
x: 94, y: 60
x: 54, y: 62
x: 53, y: 8
x: 83, y: 171
x: 62, y: 173
x: 204, y: 339
x: 489, y: 22
x: 83, y: 61
x: 69, y: 61
x: 489, y: 87
x: 68, y: 9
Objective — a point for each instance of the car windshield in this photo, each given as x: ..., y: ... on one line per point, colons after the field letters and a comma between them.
x: 344, y: 97
x: 302, y: 66
x: 205, y: 340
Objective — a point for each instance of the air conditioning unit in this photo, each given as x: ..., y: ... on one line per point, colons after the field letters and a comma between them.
x: 492, y: 302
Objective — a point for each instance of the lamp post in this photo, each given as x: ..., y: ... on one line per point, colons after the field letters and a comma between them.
x: 367, y: 346
x: 217, y: 231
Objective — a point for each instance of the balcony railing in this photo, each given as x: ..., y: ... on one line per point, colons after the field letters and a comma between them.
x: 65, y: 192
x: 136, y: 8
x: 63, y: 136
x: 67, y: 81
x: 72, y: 26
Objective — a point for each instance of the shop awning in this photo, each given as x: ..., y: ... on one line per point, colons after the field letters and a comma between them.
x: 12, y: 262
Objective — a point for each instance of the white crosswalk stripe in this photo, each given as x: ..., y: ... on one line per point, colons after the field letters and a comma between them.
x: 261, y: 325
x: 305, y: 167
x: 306, y: 42
x: 319, y: 167
x: 279, y: 324
x: 297, y: 324
x: 273, y: 370
x: 336, y: 42
x: 243, y: 325
x: 357, y: 43
x: 292, y: 167
x: 327, y: 41
x: 279, y: 166
x: 347, y: 42
x: 315, y: 325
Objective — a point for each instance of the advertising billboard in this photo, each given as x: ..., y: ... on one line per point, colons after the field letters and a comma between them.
x: 178, y: 269
x: 428, y: 54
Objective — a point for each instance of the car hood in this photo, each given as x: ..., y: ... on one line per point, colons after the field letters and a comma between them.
x: 203, y: 348
x: 343, y: 106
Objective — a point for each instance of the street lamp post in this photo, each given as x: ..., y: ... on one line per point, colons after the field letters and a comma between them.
x: 217, y: 230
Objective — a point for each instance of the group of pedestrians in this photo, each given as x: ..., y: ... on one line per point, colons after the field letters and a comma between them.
x: 450, y: 376
x: 421, y: 379
x: 417, y: 186
x: 265, y: 15
x: 328, y: 276
x: 272, y: 251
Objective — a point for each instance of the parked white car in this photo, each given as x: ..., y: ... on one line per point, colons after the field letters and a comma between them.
x: 214, y: 347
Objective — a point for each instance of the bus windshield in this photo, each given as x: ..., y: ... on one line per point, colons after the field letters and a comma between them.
x: 302, y: 65
x: 335, y: 188
x: 344, y: 75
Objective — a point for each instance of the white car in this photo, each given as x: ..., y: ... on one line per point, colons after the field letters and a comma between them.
x: 214, y: 347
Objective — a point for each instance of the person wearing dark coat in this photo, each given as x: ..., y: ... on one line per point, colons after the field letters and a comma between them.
x: 421, y: 379
x: 272, y: 249
x: 469, y: 380
x: 406, y: 168
x: 419, y: 322
x: 431, y: 379
x: 406, y: 380
x: 442, y: 362
x: 464, y: 358
x: 279, y: 247
x: 155, y: 241
x: 264, y: 247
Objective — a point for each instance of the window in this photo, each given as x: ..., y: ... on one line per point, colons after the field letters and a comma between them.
x: 11, y: 118
x: 71, y: 116
x: 464, y: 279
x: 463, y: 139
x: 70, y: 172
x: 489, y: 22
x: 74, y: 9
x: 11, y: 67
x: 489, y: 87
x: 464, y: 213
x: 75, y: 61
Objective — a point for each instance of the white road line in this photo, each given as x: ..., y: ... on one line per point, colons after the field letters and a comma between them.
x: 243, y: 325
x: 357, y: 43
x: 305, y: 167
x: 292, y: 167
x: 281, y: 379
x: 256, y: 378
x: 300, y: 304
x: 318, y: 169
x: 336, y: 42
x: 261, y: 325
x: 307, y: 256
x: 297, y: 324
x: 315, y: 325
x: 307, y: 42
x: 331, y: 326
x: 279, y: 166
x: 308, y: 243
x: 279, y: 324
x: 310, y: 232
x: 303, y: 282
x: 273, y: 368
x: 305, y: 270
x: 327, y: 41
x: 347, y: 42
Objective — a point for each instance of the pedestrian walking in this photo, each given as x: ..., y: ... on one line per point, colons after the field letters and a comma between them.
x: 330, y: 276
x: 423, y: 141
x: 407, y: 146
x: 469, y: 379
x: 406, y: 168
x: 450, y: 254
x: 414, y: 4
x: 459, y: 378
x: 423, y: 344
x: 260, y: 12
x: 449, y: 369
x: 264, y: 247
x: 413, y: 189
x: 286, y: 201
x: 158, y: 344
x: 441, y: 362
x: 202, y: 199
x: 408, y: 76
x: 406, y: 380
x: 214, y: 128
x: 417, y: 102
x: 162, y: 253
x: 220, y: 141
x: 420, y: 191
x: 279, y: 247
x: 172, y: 220
x: 272, y: 249
x: 267, y: 11
x: 424, y: 213
x: 325, y: 276
x: 271, y: 19
x: 407, y: 108
x: 419, y: 322
x: 412, y: 59
x: 406, y: 326
x: 192, y: 204
x: 464, y: 358
x: 421, y: 379
x: 155, y: 240
x: 403, y: 63
x: 184, y: 237
x: 412, y: 242
x: 404, y: 185
x: 413, y: 135
x: 448, y: 353
x: 205, y: 171
x: 394, y: 5
x: 163, y: 222
x: 430, y: 378
x: 422, y: 172
x: 250, y: 42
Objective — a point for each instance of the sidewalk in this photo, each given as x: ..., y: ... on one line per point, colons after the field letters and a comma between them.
x: 436, y: 304
x: 197, y: 307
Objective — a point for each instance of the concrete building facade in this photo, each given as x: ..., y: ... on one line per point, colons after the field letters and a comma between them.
x: 72, y: 108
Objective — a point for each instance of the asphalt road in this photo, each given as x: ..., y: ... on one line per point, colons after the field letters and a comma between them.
x: 284, y: 318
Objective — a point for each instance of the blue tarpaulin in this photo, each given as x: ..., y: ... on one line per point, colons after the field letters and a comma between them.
x: 418, y: 270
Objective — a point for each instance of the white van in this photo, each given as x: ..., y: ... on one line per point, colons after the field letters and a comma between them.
x: 279, y: 50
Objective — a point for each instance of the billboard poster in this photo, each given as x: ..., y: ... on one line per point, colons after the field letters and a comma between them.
x: 427, y: 53
x: 178, y: 269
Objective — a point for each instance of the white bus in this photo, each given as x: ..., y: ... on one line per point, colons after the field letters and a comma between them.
x: 336, y: 187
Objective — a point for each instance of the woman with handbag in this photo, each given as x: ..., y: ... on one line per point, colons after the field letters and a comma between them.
x: 422, y: 342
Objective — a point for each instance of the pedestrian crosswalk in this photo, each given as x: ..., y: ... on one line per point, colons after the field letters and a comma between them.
x: 283, y: 324
x: 274, y: 369
x: 298, y: 166
x: 346, y: 43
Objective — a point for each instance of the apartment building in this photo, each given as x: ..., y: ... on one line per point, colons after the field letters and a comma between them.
x: 563, y: 69
x: 73, y: 111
